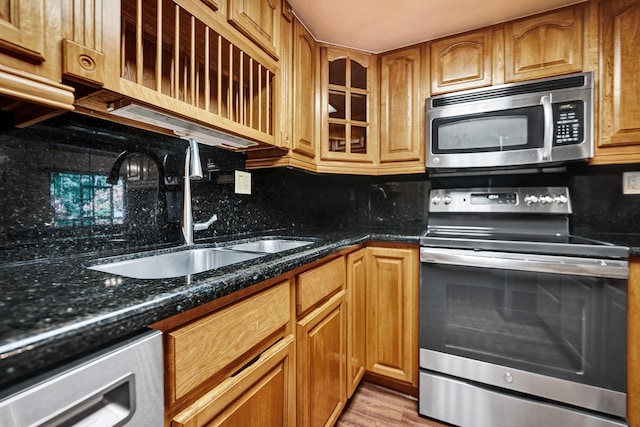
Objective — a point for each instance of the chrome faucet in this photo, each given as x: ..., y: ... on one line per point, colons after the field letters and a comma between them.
x: 192, y: 171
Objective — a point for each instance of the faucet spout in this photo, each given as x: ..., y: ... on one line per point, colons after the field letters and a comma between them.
x: 192, y: 171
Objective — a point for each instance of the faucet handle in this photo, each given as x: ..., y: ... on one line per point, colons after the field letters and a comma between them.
x: 204, y: 225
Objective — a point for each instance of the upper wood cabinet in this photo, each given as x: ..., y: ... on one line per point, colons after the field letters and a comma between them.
x: 181, y: 57
x: 462, y: 62
x: 22, y: 28
x: 259, y: 20
x: 544, y: 45
x: 30, y: 72
x: 401, y: 98
x: 348, y: 106
x: 304, y: 91
x: 618, y: 107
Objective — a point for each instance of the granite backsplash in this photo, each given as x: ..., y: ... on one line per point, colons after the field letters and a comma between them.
x: 56, y: 198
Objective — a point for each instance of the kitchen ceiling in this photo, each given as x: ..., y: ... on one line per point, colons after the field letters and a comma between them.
x: 381, y: 25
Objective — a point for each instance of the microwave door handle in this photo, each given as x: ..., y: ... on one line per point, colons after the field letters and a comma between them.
x: 548, y: 127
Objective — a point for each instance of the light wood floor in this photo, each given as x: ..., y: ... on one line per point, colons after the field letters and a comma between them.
x: 375, y: 406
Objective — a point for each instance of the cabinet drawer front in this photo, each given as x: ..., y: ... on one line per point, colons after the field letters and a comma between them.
x: 203, y: 348
x: 319, y: 283
x: 261, y: 395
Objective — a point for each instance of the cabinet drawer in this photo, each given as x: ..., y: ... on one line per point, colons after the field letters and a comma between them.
x: 261, y: 395
x: 201, y: 349
x: 319, y: 283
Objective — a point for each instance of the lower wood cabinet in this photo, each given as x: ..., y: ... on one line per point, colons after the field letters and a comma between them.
x: 321, y: 364
x: 356, y: 319
x: 237, y: 361
x: 321, y: 344
x: 392, y: 313
x: 259, y: 395
x: 293, y: 352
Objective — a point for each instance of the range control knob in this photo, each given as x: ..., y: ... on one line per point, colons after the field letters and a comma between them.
x: 436, y: 200
x: 446, y: 199
x: 546, y: 199
x: 530, y: 199
x: 559, y: 199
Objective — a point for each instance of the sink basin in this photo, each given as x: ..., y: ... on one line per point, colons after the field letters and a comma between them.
x: 270, y: 246
x: 176, y: 264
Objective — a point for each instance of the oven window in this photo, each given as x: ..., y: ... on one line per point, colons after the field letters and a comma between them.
x: 486, y: 132
x: 571, y: 327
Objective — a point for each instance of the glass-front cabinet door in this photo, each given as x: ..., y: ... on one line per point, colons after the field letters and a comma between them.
x: 348, y: 82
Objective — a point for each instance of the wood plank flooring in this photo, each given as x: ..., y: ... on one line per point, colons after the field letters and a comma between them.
x: 375, y: 406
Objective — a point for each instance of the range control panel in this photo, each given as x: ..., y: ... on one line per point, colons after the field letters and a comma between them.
x: 551, y: 200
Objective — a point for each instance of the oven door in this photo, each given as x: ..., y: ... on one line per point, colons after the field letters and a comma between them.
x: 546, y: 316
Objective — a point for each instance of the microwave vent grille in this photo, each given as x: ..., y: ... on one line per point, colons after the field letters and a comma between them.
x: 511, y: 90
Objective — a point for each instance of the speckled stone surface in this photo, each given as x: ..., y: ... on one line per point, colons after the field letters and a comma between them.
x: 56, y: 309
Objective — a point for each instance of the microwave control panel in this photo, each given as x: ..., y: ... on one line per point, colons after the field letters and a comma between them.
x: 569, y: 122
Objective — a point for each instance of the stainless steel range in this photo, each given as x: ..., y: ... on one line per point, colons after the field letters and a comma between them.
x: 521, y: 323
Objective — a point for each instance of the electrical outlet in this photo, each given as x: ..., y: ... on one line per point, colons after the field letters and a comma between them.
x: 243, y: 182
x: 631, y: 183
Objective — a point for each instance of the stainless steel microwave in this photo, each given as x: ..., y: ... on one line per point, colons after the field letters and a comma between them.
x: 534, y: 124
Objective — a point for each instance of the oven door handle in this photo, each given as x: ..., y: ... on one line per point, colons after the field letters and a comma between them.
x: 575, y: 266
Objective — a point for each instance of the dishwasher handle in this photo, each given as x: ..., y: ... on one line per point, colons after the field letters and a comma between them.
x: 575, y: 266
x: 111, y: 406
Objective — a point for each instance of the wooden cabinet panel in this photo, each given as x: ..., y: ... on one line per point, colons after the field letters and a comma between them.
x: 304, y: 91
x: 205, y: 347
x: 544, y: 45
x: 356, y: 319
x: 261, y: 395
x: 619, y: 70
x: 400, y: 100
x: 317, y: 284
x: 392, y: 313
x: 461, y: 62
x: 349, y: 107
x: 22, y: 29
x: 321, y: 364
x: 83, y: 39
x: 259, y: 20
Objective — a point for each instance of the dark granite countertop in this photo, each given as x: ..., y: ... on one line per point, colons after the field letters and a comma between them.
x: 56, y: 309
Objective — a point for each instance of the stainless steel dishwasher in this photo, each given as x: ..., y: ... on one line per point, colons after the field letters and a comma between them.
x: 116, y: 386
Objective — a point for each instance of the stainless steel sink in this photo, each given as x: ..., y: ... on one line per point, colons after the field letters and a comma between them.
x: 271, y: 245
x: 176, y: 264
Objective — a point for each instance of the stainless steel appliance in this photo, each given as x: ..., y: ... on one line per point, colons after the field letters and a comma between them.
x: 521, y: 323
x: 534, y: 124
x: 119, y: 385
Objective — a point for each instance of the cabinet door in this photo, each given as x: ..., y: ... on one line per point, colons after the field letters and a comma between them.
x: 321, y: 352
x: 259, y: 20
x: 620, y: 67
x: 304, y: 91
x: 22, y: 29
x: 461, y: 62
x: 392, y: 313
x: 356, y: 319
x: 544, y: 45
x: 260, y: 395
x: 400, y: 98
x: 348, y: 81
